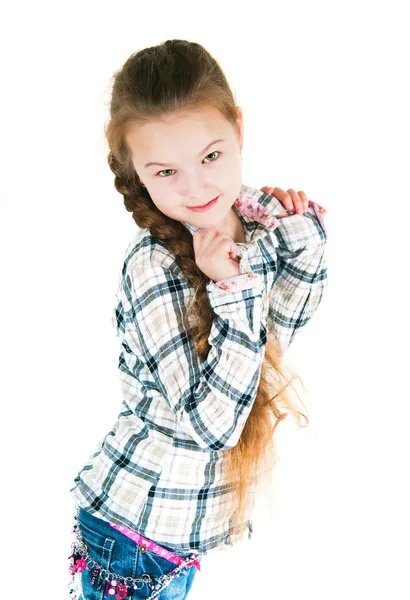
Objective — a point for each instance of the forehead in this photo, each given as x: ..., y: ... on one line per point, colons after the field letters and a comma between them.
x: 187, y: 131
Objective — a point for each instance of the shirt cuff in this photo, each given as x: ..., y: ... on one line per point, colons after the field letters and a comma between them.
x: 246, y: 279
x: 239, y: 282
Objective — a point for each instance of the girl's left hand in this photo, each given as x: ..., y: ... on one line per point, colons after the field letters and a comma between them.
x: 292, y: 201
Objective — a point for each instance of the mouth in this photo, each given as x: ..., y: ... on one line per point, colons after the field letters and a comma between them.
x: 204, y: 206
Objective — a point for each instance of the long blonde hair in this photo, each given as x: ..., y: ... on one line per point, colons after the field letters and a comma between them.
x: 161, y: 79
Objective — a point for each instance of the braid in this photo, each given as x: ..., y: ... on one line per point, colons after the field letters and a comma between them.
x: 177, y: 240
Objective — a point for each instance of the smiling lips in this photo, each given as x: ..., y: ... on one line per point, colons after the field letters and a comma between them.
x: 204, y: 206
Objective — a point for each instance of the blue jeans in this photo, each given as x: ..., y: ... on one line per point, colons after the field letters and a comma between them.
x: 119, y: 554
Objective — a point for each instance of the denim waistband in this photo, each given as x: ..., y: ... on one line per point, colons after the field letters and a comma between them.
x: 84, y: 516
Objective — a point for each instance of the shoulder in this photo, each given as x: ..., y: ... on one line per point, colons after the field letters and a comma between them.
x: 147, y: 256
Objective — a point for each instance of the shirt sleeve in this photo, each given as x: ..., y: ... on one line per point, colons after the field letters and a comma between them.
x: 301, y: 276
x: 212, y: 399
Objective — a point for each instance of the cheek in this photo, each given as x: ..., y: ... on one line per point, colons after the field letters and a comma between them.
x: 230, y: 177
x: 171, y: 207
x: 157, y: 200
x: 223, y: 174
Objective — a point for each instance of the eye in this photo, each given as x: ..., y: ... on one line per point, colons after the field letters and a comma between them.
x: 214, y: 152
x: 165, y: 170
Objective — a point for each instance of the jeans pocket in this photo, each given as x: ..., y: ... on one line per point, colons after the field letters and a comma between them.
x: 156, y: 564
x: 159, y: 567
x: 100, y: 548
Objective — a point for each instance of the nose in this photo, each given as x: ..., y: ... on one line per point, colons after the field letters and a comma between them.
x: 194, y: 189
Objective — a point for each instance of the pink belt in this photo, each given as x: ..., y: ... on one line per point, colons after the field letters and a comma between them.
x: 152, y: 546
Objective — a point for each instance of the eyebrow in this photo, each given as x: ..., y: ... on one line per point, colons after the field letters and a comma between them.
x: 149, y: 164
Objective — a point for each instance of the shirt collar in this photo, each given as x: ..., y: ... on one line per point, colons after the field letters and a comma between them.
x: 255, y: 209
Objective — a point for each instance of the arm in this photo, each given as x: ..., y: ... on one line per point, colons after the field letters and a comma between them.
x: 301, y: 273
x: 212, y: 400
x: 301, y: 276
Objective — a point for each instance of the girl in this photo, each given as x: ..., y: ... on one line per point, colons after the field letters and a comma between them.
x: 213, y: 289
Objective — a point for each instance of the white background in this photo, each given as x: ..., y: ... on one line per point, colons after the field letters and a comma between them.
x: 324, y: 90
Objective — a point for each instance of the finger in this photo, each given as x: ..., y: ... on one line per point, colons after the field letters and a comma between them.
x: 297, y: 202
x: 232, y: 249
x: 198, y: 240
x: 226, y: 243
x: 305, y: 200
x: 284, y: 197
x: 234, y: 256
x: 212, y: 240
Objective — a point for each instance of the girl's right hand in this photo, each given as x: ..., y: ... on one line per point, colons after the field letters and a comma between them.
x: 215, y: 254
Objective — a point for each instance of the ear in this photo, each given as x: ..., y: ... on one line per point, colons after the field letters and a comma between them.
x: 239, y: 125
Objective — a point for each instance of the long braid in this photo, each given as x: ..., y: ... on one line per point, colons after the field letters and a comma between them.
x: 176, y: 239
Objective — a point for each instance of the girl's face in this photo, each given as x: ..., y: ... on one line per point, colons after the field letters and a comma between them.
x: 195, y: 168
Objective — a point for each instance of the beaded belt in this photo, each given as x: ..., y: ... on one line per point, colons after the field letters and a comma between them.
x: 152, y: 546
x: 118, y: 586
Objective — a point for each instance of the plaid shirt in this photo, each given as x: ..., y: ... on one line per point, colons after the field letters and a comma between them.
x: 161, y: 469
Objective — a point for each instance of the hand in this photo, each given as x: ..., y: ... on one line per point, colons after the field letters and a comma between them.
x: 296, y: 202
x: 215, y: 254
